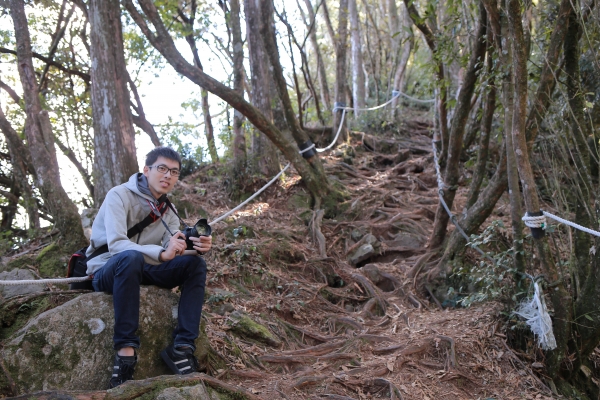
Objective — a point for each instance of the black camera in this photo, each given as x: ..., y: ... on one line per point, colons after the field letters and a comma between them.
x: 201, y: 228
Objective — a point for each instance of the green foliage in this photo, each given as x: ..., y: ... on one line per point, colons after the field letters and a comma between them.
x: 485, y: 280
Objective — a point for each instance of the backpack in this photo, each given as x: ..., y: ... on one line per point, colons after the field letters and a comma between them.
x: 77, y: 266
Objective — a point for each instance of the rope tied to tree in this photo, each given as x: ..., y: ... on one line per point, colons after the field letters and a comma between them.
x: 540, y: 222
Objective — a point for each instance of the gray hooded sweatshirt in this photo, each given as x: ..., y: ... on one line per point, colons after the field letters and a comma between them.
x: 125, y: 206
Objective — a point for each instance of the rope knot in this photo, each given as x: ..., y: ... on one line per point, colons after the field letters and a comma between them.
x: 534, y: 221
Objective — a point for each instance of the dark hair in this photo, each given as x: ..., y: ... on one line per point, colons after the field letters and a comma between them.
x: 165, y: 152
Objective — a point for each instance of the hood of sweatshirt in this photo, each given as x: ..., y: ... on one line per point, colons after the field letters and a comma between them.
x: 138, y: 184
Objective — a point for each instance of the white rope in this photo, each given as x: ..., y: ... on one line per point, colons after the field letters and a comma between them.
x: 536, y: 316
x: 249, y: 199
x: 44, y: 281
x: 338, y: 131
x: 414, y: 99
x: 540, y: 222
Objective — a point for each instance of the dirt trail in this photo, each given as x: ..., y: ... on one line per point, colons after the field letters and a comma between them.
x: 346, y: 332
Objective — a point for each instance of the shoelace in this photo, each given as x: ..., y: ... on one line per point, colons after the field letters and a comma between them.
x: 125, y: 371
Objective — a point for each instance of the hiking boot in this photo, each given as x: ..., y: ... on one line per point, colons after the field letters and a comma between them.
x: 123, y: 369
x: 180, y: 360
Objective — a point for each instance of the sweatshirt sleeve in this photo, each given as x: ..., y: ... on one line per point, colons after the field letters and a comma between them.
x: 115, y: 225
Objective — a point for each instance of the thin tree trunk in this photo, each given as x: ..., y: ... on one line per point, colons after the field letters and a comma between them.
x: 22, y: 166
x: 561, y: 300
x: 322, y: 74
x: 140, y: 120
x: 358, y: 75
x: 340, y: 71
x: 328, y: 24
x: 442, y: 93
x: 459, y: 121
x: 208, y: 126
x: 239, y: 140
x: 41, y: 140
x: 114, y: 135
x: 262, y: 150
x: 484, y: 141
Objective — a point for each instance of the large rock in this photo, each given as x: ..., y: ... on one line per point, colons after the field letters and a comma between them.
x: 7, y: 291
x: 70, y: 347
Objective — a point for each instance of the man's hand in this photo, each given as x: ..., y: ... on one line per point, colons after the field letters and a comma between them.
x: 176, y: 247
x: 202, y: 244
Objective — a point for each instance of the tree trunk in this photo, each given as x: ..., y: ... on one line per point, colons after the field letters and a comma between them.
x: 322, y: 74
x: 489, y: 107
x: 267, y: 30
x: 457, y: 130
x: 140, y: 120
x: 163, y: 42
x: 402, y: 64
x: 588, y: 295
x: 561, y: 300
x: 41, y: 140
x: 239, y: 140
x: 441, y: 133
x: 114, y: 137
x: 358, y: 75
x: 340, y: 71
x: 262, y: 150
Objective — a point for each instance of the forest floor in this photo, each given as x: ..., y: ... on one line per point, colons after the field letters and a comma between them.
x: 338, y: 330
x: 363, y: 332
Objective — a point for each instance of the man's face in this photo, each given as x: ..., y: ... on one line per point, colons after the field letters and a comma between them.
x: 161, y: 183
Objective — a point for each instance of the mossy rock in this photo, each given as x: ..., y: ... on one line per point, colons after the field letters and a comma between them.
x: 20, y: 263
x: 242, y: 325
x: 52, y: 261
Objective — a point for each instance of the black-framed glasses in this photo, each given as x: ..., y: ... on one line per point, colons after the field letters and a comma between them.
x: 163, y: 169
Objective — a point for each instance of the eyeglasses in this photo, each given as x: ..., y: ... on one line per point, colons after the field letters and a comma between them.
x: 163, y: 169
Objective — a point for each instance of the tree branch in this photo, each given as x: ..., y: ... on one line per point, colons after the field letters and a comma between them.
x: 86, y: 77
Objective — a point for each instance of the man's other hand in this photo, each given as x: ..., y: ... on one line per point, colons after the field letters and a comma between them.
x: 176, y: 247
x: 202, y: 244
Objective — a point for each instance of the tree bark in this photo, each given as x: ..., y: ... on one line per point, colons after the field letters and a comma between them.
x: 457, y: 130
x: 484, y: 140
x: 140, y: 120
x: 21, y: 164
x: 239, y: 140
x: 442, y: 97
x: 340, y: 71
x: 561, y: 300
x: 41, y: 141
x: 263, y: 152
x: 268, y: 35
x: 588, y: 295
x: 322, y: 74
x: 400, y: 74
x: 162, y: 41
x: 114, y: 137
x: 358, y: 75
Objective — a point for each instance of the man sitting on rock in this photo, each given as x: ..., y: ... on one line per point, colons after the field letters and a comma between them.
x: 153, y: 256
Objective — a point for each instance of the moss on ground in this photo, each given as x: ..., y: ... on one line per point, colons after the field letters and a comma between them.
x: 20, y: 263
x: 53, y: 261
x: 244, y: 326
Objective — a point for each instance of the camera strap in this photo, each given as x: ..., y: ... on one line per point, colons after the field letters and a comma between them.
x: 159, y: 211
